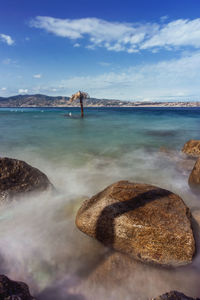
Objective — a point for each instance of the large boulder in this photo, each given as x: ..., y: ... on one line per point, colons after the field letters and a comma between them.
x: 194, y: 179
x: 174, y: 295
x: 17, y: 178
x: 13, y: 290
x: 192, y: 148
x: 146, y: 222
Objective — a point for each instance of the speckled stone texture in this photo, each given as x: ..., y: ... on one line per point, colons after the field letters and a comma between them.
x: 13, y: 290
x: 194, y: 179
x: 17, y: 178
x: 192, y: 148
x: 174, y: 295
x: 146, y: 222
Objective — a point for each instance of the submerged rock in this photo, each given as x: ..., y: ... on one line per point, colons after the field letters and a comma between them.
x: 192, y: 148
x: 174, y: 295
x: 194, y: 179
x: 146, y: 222
x: 10, y: 289
x: 196, y: 216
x: 168, y: 152
x: 17, y: 177
x: 185, y: 165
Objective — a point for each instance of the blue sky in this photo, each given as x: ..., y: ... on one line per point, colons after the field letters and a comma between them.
x: 130, y: 50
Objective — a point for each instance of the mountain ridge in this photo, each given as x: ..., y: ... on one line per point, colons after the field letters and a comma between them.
x: 40, y: 100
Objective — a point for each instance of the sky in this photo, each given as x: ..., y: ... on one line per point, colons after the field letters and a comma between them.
x: 139, y: 50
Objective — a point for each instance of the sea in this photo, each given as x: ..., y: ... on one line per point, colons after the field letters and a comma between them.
x: 39, y: 242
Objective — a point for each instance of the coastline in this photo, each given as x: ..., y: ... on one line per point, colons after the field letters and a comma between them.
x: 164, y: 105
x: 39, y: 100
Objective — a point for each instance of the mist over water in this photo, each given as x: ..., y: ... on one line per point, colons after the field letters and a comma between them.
x: 39, y: 243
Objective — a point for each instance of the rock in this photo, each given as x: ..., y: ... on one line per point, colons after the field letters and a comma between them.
x: 13, y: 290
x: 17, y: 178
x: 194, y: 179
x: 174, y: 295
x: 192, y: 148
x: 168, y: 152
x: 146, y: 222
x: 115, y: 267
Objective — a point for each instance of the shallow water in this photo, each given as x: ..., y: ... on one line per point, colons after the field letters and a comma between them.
x: 39, y: 242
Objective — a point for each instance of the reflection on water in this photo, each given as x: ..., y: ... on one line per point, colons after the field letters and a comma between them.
x: 39, y: 242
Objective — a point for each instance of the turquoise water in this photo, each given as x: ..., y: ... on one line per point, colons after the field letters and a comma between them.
x: 38, y: 239
x: 104, y: 132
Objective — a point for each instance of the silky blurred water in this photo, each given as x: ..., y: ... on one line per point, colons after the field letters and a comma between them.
x: 38, y: 239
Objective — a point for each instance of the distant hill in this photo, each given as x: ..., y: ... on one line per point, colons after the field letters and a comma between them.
x: 36, y: 100
x: 39, y: 100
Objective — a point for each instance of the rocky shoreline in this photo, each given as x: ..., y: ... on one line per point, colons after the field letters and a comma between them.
x: 139, y: 221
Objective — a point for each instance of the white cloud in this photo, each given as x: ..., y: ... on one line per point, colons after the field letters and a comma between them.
x: 3, y: 89
x: 176, y: 33
x: 37, y: 76
x: 129, y: 37
x: 6, y: 39
x: 77, y: 28
x: 174, y: 79
x: 77, y: 45
x: 22, y: 91
x: 111, y: 35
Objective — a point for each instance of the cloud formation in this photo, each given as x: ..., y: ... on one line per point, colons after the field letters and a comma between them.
x: 129, y: 37
x: 6, y: 39
x: 176, y: 79
x: 37, y: 76
x: 22, y: 91
x: 170, y: 79
x: 77, y: 45
x: 176, y: 33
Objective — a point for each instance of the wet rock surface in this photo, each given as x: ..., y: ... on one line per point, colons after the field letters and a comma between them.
x: 192, y: 148
x: 17, y: 177
x: 13, y: 290
x: 194, y: 179
x: 174, y: 295
x: 146, y: 222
